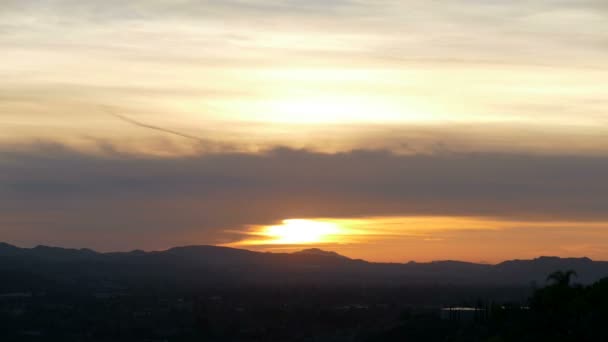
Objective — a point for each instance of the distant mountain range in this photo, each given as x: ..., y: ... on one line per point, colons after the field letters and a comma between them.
x: 194, y: 266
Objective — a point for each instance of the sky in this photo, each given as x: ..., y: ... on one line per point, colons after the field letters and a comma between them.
x: 385, y: 130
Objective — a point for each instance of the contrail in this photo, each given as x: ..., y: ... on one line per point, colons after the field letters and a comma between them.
x: 156, y: 128
x: 208, y: 145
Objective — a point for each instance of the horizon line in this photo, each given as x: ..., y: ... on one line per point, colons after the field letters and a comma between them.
x: 312, y: 247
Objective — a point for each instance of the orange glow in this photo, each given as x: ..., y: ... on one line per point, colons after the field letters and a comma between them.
x: 298, y: 232
x: 350, y: 231
x: 427, y: 238
x: 301, y: 231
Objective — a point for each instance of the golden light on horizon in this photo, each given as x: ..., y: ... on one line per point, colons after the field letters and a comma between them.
x: 298, y: 231
x: 344, y: 231
x: 422, y: 238
x: 301, y: 231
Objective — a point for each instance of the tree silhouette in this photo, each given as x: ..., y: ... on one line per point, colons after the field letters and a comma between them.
x: 561, y: 278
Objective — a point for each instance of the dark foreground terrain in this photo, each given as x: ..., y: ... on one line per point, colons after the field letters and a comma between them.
x: 209, y: 293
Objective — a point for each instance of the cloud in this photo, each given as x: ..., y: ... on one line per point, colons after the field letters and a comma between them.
x: 243, y: 61
x: 516, y: 77
x: 116, y: 201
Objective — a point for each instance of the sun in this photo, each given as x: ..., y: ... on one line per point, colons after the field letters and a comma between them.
x: 297, y: 231
x: 301, y: 231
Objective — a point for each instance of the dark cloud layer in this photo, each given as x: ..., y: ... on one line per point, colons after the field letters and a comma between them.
x: 57, y: 195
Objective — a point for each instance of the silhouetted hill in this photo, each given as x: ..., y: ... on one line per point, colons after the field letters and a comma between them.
x: 588, y: 271
x: 320, y: 252
x: 193, y: 266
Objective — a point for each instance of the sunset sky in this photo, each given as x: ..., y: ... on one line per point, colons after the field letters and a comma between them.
x: 385, y: 130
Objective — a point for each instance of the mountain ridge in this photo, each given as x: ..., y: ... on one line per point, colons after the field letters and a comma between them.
x: 208, y: 264
x: 307, y: 251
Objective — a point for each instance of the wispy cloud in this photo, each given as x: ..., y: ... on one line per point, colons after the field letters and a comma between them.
x: 537, y: 63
